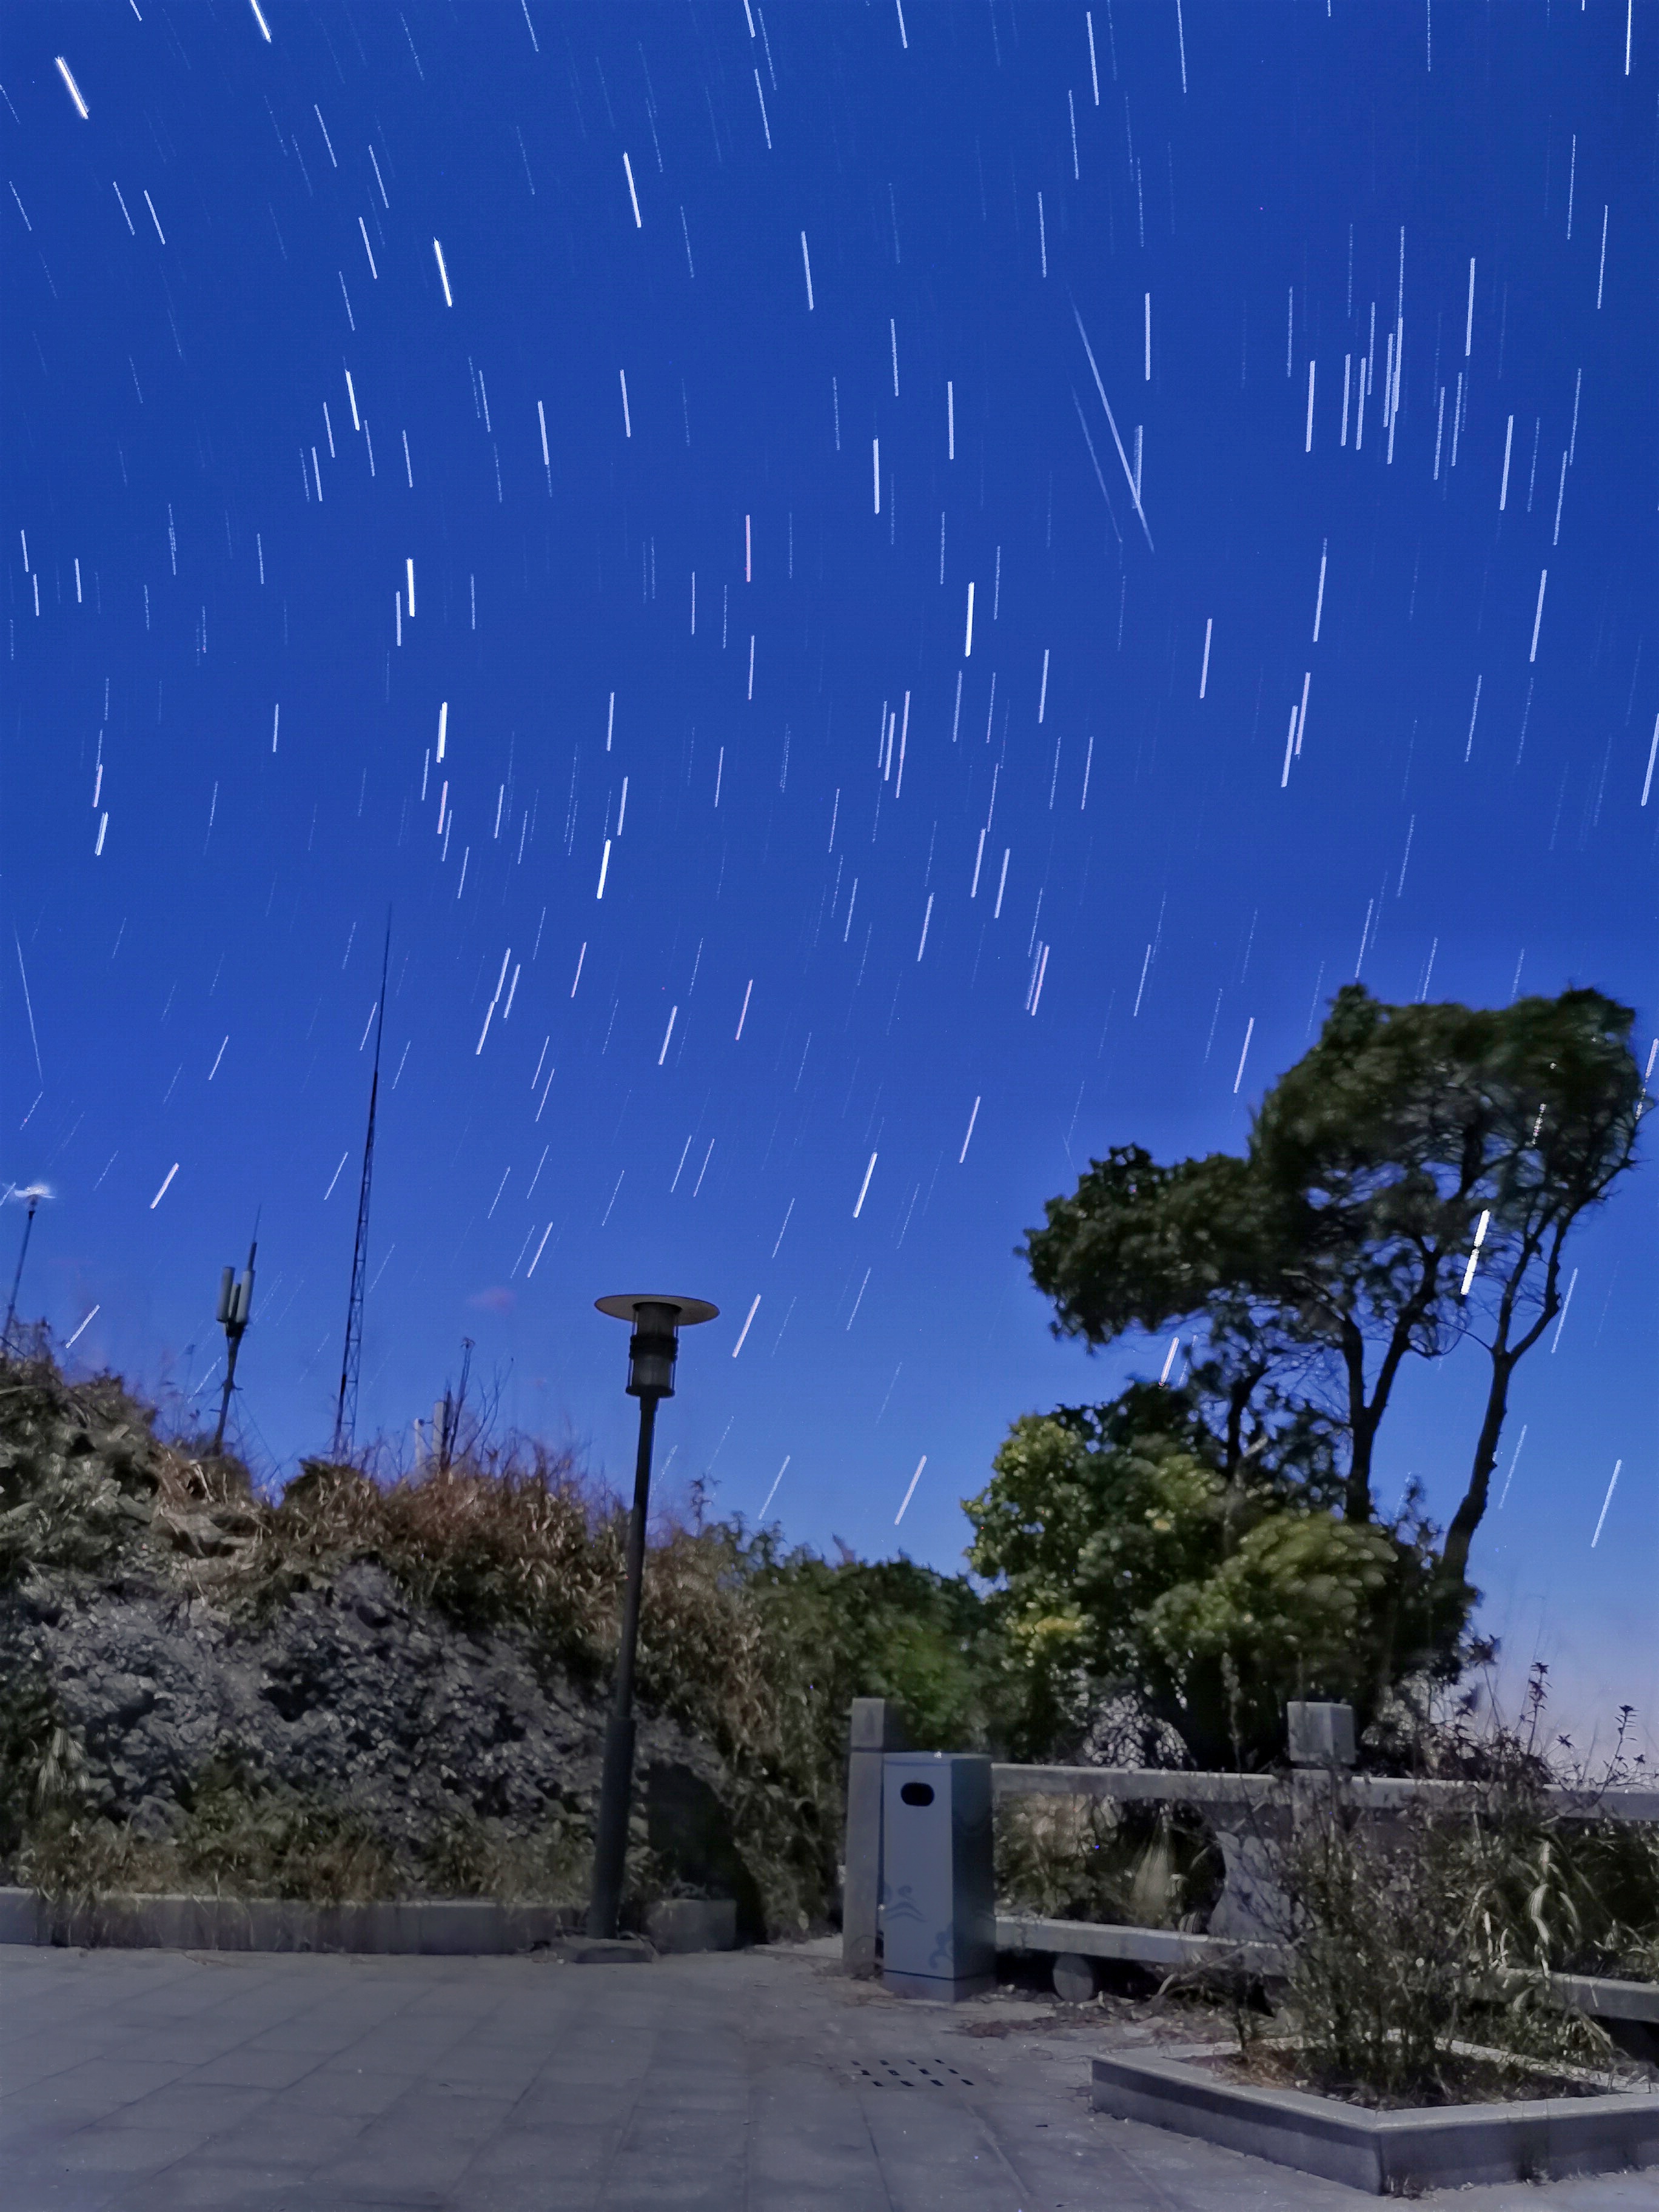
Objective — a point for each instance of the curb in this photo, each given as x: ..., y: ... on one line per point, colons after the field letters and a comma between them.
x: 433, y: 1928
x: 462, y: 1927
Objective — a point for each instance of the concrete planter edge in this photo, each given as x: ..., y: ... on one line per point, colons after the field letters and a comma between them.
x: 1381, y: 2153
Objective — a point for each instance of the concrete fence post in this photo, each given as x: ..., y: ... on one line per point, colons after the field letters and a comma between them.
x: 875, y: 1730
x: 1320, y: 1735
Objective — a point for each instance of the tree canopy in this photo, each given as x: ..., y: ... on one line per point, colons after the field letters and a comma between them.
x: 1407, y: 1186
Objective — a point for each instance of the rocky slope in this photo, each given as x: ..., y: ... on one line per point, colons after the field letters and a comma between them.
x: 180, y: 1696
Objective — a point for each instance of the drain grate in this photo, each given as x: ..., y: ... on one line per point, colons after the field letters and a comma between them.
x: 907, y: 2074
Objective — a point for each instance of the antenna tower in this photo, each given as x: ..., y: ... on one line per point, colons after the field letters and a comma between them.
x: 345, y: 1417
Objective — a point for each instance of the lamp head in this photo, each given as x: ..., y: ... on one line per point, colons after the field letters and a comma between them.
x: 654, y: 1344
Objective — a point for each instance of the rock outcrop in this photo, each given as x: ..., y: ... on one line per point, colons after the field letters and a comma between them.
x: 153, y: 1682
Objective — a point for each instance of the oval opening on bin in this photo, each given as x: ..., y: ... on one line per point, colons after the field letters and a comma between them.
x: 917, y: 1793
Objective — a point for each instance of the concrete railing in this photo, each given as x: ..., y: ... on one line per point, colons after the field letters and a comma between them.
x: 1240, y: 1808
x: 1371, y: 1793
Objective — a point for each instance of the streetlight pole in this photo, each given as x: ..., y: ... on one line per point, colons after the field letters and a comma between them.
x: 651, y: 1353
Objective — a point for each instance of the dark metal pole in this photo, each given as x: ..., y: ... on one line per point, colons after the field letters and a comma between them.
x: 345, y: 1417
x: 11, y: 1306
x: 235, y: 1342
x: 610, y: 1839
x: 236, y: 1318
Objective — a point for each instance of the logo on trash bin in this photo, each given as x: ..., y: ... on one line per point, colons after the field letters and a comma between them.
x: 901, y: 1905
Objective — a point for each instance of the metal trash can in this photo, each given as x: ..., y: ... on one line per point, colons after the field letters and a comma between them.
x: 938, y: 1889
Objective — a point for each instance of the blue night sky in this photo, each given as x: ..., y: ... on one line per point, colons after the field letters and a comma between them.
x: 700, y: 368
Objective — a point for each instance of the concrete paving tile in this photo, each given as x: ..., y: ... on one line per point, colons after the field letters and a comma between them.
x: 510, y: 2160
x: 588, y: 2064
x: 418, y: 2174
x: 42, y: 2134
x: 49, y: 2096
x: 44, y: 2186
x: 389, y: 2050
x: 607, y: 2107
x: 638, y: 2183
x: 116, y: 2081
x: 834, y: 2192
x: 795, y: 2132
x: 298, y: 2141
x: 328, y: 2089
x: 303, y: 2039
x: 39, y: 2011
x: 211, y: 2107
x: 438, y: 2107
x: 116, y: 2148
x: 936, y: 2152
x: 503, y: 2073
x: 74, y: 2031
x: 199, y: 2185
x: 22, y: 2073
x: 422, y: 2128
x: 243, y: 2068
x: 675, y: 2085
x: 198, y: 2047
x: 445, y: 2144
x: 553, y: 2192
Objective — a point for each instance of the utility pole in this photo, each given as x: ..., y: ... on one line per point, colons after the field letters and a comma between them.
x: 345, y: 1416
x: 235, y: 1310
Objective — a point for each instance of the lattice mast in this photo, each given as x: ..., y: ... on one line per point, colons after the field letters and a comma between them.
x: 345, y: 1417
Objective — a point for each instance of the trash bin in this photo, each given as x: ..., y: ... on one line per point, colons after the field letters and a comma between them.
x: 939, y: 1891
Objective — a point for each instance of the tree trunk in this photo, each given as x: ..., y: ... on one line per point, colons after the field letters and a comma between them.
x: 1454, y: 1557
x: 1362, y: 1427
x: 1364, y: 1420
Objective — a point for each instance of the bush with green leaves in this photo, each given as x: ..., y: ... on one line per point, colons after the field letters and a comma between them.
x: 1125, y: 1553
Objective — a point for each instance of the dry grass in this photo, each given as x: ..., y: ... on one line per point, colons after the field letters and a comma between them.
x: 1437, y: 1927
x: 1407, y: 1945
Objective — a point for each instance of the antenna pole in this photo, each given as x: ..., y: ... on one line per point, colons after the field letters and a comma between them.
x: 11, y: 1304
x: 345, y: 1415
x: 236, y: 1310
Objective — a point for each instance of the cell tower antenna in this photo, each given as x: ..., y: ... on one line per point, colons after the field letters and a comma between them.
x: 345, y: 1416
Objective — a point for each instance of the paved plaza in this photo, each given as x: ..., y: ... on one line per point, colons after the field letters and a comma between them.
x: 754, y: 2081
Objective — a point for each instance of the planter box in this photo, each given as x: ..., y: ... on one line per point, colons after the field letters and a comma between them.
x: 1386, y: 2154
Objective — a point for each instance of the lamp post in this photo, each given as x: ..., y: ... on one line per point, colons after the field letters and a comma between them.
x: 652, y: 1349
x: 235, y: 1309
